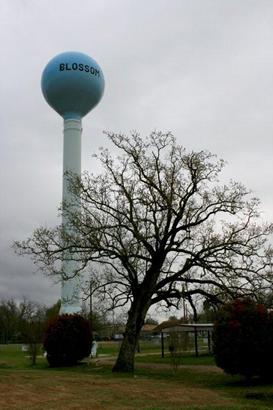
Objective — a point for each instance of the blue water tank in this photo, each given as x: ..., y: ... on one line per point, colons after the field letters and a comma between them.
x: 72, y: 84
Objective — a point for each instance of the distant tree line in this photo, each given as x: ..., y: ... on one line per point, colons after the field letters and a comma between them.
x: 20, y: 321
x: 26, y: 321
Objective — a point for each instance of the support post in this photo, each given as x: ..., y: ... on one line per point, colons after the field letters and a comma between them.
x: 162, y: 345
x: 209, y: 341
x: 196, y: 342
x: 91, y: 306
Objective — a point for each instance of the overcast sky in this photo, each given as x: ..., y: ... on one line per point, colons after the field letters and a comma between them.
x: 202, y: 69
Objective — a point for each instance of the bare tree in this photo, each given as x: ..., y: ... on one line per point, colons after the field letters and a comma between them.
x: 32, y: 326
x: 158, y: 227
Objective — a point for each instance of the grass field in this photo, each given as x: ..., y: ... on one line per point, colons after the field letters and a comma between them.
x: 197, y: 384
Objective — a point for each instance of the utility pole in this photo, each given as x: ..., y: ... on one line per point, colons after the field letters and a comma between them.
x: 91, y: 304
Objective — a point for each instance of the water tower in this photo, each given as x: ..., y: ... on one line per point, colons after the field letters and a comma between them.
x: 72, y: 84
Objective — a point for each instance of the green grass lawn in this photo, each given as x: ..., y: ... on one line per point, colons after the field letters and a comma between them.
x: 12, y: 356
x: 181, y: 359
x: 94, y: 386
x: 112, y: 348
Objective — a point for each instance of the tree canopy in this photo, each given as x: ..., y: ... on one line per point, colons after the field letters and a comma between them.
x: 156, y: 226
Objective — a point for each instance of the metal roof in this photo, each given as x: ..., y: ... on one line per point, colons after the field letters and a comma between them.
x: 188, y: 327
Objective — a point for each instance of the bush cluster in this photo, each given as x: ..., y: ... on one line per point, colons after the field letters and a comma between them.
x: 67, y: 340
x: 243, y: 339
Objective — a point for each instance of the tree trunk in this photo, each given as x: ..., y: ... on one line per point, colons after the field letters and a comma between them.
x: 136, y: 316
x: 126, y: 357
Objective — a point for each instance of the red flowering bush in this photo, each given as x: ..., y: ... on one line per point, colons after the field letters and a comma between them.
x: 243, y: 339
x: 67, y: 340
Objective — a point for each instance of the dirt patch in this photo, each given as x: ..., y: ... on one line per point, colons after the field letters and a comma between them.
x: 49, y: 390
x: 197, y: 368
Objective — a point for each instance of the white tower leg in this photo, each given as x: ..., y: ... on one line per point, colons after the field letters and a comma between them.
x: 70, y: 301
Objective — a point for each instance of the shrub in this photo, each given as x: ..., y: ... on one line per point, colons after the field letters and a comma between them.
x: 242, y: 339
x: 67, y: 340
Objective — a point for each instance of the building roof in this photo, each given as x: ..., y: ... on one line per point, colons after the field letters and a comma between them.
x: 188, y: 327
x: 148, y: 327
x: 168, y: 323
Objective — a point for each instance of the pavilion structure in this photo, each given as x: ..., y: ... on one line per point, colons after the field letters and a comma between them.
x: 196, y: 328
